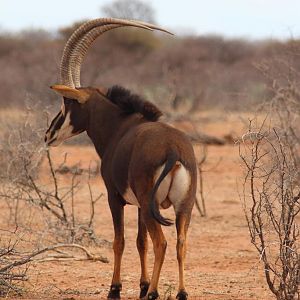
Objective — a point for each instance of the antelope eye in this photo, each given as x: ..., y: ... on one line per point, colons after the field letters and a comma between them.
x: 68, y: 101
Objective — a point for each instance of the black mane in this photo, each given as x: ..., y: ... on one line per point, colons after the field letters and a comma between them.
x: 132, y: 103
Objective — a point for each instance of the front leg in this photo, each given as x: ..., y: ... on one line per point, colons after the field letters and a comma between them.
x: 117, y: 210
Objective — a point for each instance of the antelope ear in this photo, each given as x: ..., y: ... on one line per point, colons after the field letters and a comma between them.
x: 80, y: 95
x: 103, y: 90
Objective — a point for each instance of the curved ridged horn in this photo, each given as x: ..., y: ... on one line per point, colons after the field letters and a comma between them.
x: 82, y: 47
x: 85, y: 42
x: 65, y: 68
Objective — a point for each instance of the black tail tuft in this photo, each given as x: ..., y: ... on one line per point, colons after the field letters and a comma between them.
x: 171, y: 160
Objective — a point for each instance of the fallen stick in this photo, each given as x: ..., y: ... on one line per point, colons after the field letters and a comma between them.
x: 51, y: 248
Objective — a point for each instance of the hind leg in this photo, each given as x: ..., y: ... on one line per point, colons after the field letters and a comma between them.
x: 182, y: 224
x: 159, y: 247
x: 142, y: 245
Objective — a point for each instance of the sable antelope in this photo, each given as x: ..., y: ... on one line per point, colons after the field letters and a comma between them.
x: 144, y: 162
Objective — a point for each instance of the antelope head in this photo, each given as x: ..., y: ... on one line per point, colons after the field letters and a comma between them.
x: 73, y: 116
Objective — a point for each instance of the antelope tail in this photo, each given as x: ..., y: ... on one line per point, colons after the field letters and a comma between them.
x: 171, y: 160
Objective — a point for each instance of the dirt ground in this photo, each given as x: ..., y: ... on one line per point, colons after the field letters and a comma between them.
x: 221, y: 263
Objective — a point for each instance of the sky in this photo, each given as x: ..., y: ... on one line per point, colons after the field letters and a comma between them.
x: 253, y: 19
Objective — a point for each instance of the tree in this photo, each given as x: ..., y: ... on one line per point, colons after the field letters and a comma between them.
x: 130, y: 9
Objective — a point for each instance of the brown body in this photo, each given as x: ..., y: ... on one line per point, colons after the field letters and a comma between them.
x: 144, y: 162
x: 132, y: 150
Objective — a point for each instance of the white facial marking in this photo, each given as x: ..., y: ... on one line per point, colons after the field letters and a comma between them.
x: 63, y: 108
x: 65, y: 131
x: 130, y: 197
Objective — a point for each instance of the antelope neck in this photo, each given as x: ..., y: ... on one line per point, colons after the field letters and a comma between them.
x: 104, y: 121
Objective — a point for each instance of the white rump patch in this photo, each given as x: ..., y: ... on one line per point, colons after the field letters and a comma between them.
x: 175, y: 185
x: 180, y: 186
x: 130, y: 197
x: 164, y: 187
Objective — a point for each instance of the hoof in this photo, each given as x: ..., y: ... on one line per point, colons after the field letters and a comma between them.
x: 182, y: 295
x: 144, y: 289
x: 153, y: 295
x: 114, y: 292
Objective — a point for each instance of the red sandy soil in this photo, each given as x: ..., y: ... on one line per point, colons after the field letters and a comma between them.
x: 221, y: 263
